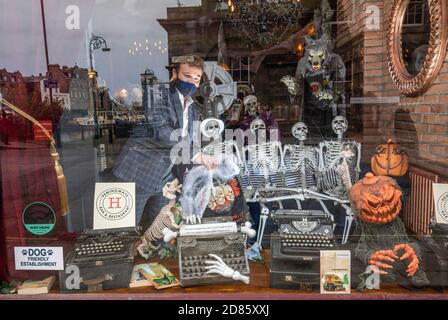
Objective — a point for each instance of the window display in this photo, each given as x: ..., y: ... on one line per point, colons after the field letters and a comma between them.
x: 228, y: 148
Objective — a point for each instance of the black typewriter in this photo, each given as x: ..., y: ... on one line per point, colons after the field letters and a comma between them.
x: 194, y: 250
x: 295, y: 248
x: 303, y: 231
x: 104, y: 244
x: 104, y: 259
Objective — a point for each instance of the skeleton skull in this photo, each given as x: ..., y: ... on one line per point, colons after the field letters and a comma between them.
x: 339, y: 125
x: 212, y: 128
x: 300, y: 131
x: 257, y: 124
x: 251, y: 105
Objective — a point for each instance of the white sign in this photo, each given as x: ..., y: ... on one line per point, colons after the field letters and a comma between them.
x: 101, y: 154
x: 114, y: 206
x: 39, y: 258
x: 441, y: 202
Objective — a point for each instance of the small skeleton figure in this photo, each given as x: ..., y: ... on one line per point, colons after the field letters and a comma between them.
x: 264, y: 156
x: 251, y: 105
x: 165, y: 219
x: 339, y: 163
x: 255, y: 110
x: 258, y: 127
x: 302, y: 159
x: 218, y: 266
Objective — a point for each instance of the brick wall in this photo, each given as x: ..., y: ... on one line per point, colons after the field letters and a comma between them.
x: 419, y: 124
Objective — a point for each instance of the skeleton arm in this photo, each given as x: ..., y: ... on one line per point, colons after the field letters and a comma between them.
x: 321, y: 158
x: 358, y: 161
x: 238, y: 155
x: 286, y: 148
x: 282, y: 159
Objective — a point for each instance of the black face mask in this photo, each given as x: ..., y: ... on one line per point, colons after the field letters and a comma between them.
x: 186, y: 89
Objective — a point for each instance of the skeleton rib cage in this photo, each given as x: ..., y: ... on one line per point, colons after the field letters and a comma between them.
x: 339, y: 167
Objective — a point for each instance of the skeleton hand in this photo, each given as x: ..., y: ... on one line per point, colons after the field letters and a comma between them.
x: 409, y: 254
x: 169, y: 235
x: 291, y: 84
x: 193, y: 220
x: 219, y: 267
x: 383, y: 255
x: 247, y: 229
x: 207, y: 160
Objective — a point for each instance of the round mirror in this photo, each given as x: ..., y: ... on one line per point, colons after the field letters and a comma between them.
x: 416, y: 43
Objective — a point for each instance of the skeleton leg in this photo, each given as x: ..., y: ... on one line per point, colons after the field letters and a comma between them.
x: 299, y: 205
x: 348, y: 223
x: 263, y: 218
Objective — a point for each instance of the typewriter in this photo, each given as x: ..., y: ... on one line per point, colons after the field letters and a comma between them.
x: 304, y: 232
x: 295, y: 248
x: 100, y: 245
x: 104, y: 258
x: 218, y: 236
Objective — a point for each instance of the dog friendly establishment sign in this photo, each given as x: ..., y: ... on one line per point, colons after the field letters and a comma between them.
x: 39, y: 258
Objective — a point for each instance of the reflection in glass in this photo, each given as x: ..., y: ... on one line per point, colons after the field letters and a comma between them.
x: 415, y: 35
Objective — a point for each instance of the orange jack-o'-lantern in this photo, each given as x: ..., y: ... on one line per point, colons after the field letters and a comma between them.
x: 389, y: 160
x: 376, y: 199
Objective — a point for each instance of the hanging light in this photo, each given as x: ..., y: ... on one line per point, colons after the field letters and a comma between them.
x: 300, y: 49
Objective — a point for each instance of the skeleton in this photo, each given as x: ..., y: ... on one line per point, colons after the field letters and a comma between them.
x: 264, y: 156
x: 302, y: 159
x: 165, y: 219
x: 251, y: 105
x: 339, y: 161
x: 212, y: 129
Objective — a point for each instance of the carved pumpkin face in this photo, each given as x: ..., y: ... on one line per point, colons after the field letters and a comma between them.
x: 376, y: 199
x: 389, y: 160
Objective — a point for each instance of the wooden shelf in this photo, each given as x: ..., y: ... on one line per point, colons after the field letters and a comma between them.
x: 257, y: 290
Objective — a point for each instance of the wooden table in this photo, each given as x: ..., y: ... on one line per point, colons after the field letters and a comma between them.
x: 257, y: 290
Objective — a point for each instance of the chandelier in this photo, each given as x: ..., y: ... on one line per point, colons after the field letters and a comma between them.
x: 262, y: 22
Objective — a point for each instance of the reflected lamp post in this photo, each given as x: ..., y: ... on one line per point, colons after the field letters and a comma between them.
x: 96, y: 42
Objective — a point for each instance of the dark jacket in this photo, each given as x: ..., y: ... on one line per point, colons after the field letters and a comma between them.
x: 146, y: 161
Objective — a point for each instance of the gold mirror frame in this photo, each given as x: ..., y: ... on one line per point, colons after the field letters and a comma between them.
x: 415, y: 85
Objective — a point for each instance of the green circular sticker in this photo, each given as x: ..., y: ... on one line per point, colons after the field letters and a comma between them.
x: 38, y: 218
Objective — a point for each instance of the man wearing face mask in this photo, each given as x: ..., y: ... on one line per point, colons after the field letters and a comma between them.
x: 186, y: 76
x: 173, y: 117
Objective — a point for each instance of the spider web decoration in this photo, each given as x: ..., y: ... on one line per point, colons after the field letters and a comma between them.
x: 264, y: 23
